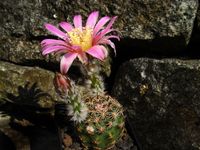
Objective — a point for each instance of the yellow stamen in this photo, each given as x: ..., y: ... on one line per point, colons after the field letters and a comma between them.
x: 82, y: 38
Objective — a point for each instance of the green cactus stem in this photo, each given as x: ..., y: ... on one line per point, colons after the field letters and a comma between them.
x: 72, y: 96
x: 104, y: 124
x: 95, y: 80
x: 77, y: 109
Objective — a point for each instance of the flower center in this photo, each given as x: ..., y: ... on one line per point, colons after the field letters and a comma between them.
x: 82, y: 38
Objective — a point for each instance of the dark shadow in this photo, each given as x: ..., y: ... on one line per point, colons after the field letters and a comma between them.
x: 25, y: 105
x: 41, y: 129
x: 159, y: 47
x: 193, y: 48
x: 6, y: 143
x: 132, y: 132
x: 39, y: 38
x: 53, y: 66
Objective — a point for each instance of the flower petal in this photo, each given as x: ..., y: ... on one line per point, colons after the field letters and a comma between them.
x: 105, y: 38
x: 78, y: 21
x: 97, y: 52
x: 66, y: 26
x: 101, y: 35
x: 51, y: 49
x: 54, y: 30
x: 109, y: 43
x: 82, y: 57
x: 66, y: 62
x: 52, y: 42
x: 111, y: 22
x: 92, y: 19
x: 107, y: 30
x: 100, y: 24
x: 113, y: 36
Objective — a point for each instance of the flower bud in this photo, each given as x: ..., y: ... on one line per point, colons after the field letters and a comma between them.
x: 62, y: 84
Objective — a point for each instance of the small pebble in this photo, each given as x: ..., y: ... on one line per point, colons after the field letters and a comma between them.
x: 67, y: 140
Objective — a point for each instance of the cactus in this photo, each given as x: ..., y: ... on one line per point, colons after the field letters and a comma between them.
x: 104, y: 124
x: 77, y: 110
x: 70, y: 94
x: 98, y: 117
x: 95, y: 80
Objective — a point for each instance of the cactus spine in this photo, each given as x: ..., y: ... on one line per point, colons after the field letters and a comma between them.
x: 69, y: 94
x: 99, y: 117
x: 104, y: 124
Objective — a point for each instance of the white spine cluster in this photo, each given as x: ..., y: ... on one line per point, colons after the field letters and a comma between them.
x: 78, y: 111
x: 75, y: 106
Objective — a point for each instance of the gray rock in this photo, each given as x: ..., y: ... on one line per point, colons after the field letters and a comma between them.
x: 148, y: 19
x: 19, y: 140
x: 16, y: 80
x: 162, y: 102
x: 22, y: 22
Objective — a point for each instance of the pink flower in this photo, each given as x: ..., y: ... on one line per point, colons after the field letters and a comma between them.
x: 79, y: 41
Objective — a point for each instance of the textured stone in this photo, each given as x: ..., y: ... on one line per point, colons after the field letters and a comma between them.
x: 21, y: 142
x: 22, y: 22
x: 16, y: 80
x: 162, y: 102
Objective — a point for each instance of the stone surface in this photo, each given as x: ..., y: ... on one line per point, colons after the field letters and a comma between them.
x: 162, y: 102
x: 165, y: 22
x: 20, y: 141
x: 19, y: 81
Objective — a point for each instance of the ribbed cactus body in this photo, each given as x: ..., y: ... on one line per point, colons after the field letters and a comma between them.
x: 104, y: 124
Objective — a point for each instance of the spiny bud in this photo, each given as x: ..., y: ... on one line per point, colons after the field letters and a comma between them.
x: 62, y: 84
